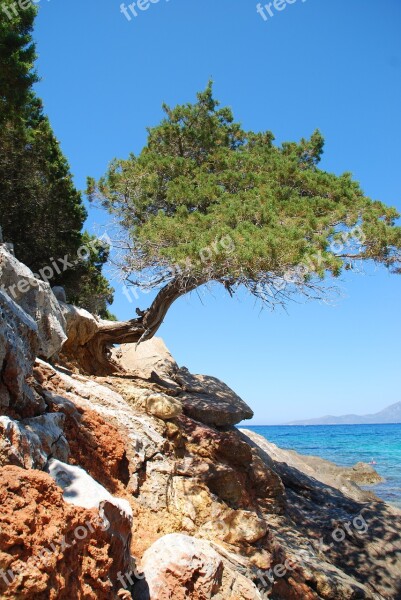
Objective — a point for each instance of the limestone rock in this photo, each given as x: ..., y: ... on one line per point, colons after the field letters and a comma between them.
x: 146, y: 358
x: 237, y: 526
x: 16, y: 448
x: 80, y: 326
x: 204, y: 398
x: 143, y: 434
x: 179, y: 567
x: 342, y: 478
x: 80, y: 489
x: 59, y: 293
x: 18, y: 348
x: 363, y: 474
x: 30, y: 443
x: 162, y: 406
x: 97, y: 445
x: 36, y: 299
x: 212, y: 402
x: 48, y: 429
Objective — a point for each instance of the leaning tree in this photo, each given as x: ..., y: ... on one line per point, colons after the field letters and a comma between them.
x: 206, y: 201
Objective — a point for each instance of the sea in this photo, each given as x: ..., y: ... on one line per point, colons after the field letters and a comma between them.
x: 346, y: 445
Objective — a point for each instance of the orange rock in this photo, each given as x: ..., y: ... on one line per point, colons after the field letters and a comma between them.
x: 51, y: 550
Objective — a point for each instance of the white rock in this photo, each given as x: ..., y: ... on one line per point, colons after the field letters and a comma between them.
x: 80, y: 325
x: 80, y: 489
x: 36, y: 299
x: 18, y: 448
x: 147, y: 357
x: 18, y: 348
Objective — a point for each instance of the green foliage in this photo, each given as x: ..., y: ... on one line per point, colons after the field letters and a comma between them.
x: 17, y: 56
x: 41, y: 211
x: 202, y: 177
x: 86, y: 285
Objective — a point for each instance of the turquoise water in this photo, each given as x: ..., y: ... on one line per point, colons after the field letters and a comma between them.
x: 346, y: 445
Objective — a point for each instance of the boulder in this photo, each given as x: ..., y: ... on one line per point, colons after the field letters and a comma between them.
x: 80, y: 326
x: 210, y: 401
x: 147, y: 358
x: 36, y: 299
x: 363, y: 474
x: 204, y: 398
x: 19, y: 345
x: 179, y: 567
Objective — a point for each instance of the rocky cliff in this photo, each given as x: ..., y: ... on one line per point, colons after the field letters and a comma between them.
x: 138, y: 485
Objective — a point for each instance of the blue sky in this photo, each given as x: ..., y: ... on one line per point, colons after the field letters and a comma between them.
x: 335, y: 65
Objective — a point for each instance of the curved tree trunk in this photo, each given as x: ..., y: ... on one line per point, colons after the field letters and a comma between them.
x: 94, y: 356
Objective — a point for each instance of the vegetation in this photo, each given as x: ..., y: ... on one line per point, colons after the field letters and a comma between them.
x: 41, y: 211
x: 202, y: 180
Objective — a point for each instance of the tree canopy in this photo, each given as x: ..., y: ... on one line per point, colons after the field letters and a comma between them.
x: 202, y: 183
x: 41, y: 211
x: 207, y: 201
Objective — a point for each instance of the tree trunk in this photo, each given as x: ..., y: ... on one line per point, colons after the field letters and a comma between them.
x: 94, y: 358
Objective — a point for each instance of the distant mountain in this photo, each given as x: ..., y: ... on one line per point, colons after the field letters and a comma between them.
x: 391, y: 414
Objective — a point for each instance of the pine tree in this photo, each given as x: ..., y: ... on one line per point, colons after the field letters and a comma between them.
x: 41, y: 211
x: 206, y: 201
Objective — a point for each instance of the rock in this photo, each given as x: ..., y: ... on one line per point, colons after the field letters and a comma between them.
x: 216, y: 404
x: 18, y: 347
x: 342, y: 478
x: 30, y: 443
x: 50, y: 550
x: 36, y: 299
x: 157, y: 404
x: 16, y: 448
x: 162, y: 406
x: 80, y: 326
x: 179, y: 567
x: 204, y: 398
x: 96, y: 445
x: 363, y: 474
x: 146, y: 358
x: 142, y: 434
x: 80, y: 489
x: 248, y: 505
x: 48, y: 429
x: 237, y: 526
x: 59, y: 293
